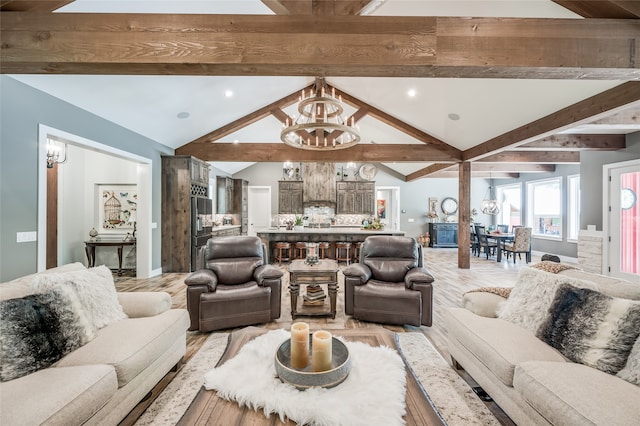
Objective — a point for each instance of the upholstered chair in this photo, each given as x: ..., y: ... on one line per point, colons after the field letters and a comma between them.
x: 389, y: 285
x: 521, y: 244
x: 237, y: 286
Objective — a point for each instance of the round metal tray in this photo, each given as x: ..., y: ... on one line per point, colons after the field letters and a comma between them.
x: 306, y: 378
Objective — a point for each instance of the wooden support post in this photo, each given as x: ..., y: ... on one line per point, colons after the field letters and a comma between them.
x: 464, y: 215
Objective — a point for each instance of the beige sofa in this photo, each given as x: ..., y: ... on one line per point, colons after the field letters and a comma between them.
x: 530, y: 380
x: 102, y: 381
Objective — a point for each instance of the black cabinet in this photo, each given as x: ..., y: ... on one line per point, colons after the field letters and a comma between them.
x: 443, y: 235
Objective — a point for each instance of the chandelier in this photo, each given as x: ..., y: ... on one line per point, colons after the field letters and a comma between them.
x: 320, y: 124
x: 490, y: 204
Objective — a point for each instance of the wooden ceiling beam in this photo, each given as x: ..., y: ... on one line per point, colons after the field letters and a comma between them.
x: 512, y: 167
x: 255, y: 152
x: 578, y: 142
x: 383, y: 46
x: 533, y: 157
x: 583, y: 111
x: 318, y: 8
x: 615, y: 9
x: 453, y: 174
x: 397, y: 124
x: 250, y: 118
x: 429, y: 170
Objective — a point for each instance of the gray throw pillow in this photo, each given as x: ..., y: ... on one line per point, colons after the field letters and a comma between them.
x: 39, y: 329
x: 592, y: 328
x: 631, y: 371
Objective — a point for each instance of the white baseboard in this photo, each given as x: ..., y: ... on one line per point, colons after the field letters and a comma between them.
x: 155, y: 272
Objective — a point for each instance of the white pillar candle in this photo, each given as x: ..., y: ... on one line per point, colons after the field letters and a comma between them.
x: 299, y: 345
x: 321, y: 351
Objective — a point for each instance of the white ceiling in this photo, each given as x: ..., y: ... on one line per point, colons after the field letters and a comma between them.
x: 149, y: 105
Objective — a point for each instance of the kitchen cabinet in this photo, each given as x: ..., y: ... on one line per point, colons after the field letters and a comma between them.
x: 241, y: 203
x: 443, y: 234
x: 224, y: 195
x: 290, y: 197
x: 183, y: 178
x: 355, y: 197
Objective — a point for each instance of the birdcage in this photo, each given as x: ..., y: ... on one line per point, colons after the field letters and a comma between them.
x: 112, y: 209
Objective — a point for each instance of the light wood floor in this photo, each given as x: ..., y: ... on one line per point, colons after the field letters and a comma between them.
x: 449, y: 286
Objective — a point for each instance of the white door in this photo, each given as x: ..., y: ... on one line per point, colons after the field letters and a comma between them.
x: 388, y: 206
x: 624, y: 221
x: 259, y: 209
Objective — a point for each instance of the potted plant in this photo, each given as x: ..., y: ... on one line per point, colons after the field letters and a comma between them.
x: 298, y: 224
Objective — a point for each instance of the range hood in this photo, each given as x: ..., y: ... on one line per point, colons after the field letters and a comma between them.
x: 319, y: 185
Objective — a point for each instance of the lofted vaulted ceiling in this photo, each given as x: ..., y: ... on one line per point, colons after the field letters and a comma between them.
x: 518, y: 88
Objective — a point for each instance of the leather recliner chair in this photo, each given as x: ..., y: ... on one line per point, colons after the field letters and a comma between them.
x: 390, y: 284
x: 236, y: 288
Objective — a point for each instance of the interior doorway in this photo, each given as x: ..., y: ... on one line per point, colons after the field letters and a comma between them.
x: 259, y: 209
x: 142, y: 178
x: 622, y: 220
x: 388, y: 206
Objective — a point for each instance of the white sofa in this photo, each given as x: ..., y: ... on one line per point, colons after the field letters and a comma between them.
x: 531, y: 381
x: 102, y: 381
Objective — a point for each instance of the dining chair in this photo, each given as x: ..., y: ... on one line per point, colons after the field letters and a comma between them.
x: 521, y: 244
x: 475, y: 248
x: 503, y: 228
x: 489, y: 246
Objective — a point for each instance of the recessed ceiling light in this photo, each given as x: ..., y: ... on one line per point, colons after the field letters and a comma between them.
x: 453, y: 116
x: 412, y: 93
x: 182, y: 115
x: 228, y: 93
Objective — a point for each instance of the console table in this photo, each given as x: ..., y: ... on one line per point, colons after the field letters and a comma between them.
x: 90, y: 250
x: 443, y: 234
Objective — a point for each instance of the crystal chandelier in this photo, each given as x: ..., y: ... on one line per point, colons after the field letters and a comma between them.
x: 320, y: 124
x: 490, y: 204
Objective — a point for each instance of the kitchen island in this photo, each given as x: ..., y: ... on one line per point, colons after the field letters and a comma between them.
x: 316, y: 235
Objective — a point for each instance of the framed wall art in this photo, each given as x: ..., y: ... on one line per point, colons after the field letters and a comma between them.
x: 117, y: 208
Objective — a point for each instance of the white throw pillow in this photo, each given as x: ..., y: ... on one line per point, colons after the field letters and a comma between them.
x: 95, y: 289
x: 532, y: 295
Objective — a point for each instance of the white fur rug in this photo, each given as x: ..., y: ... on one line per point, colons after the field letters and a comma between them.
x: 373, y: 393
x: 451, y: 395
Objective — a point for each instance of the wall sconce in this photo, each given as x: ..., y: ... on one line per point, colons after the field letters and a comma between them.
x: 54, y: 151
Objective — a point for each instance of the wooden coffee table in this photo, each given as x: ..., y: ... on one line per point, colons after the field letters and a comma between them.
x: 207, y: 408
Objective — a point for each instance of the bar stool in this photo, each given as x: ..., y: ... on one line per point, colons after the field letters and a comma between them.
x: 282, y: 252
x: 343, y: 252
x: 323, y: 248
x: 300, y: 249
x: 356, y: 251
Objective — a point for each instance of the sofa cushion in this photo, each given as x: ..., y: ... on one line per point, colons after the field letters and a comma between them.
x: 631, y: 371
x: 574, y: 394
x: 61, y: 396
x: 39, y: 329
x: 132, y: 344
x: 553, y: 267
x: 610, y: 286
x: 592, y: 328
x: 95, y: 289
x: 21, y: 287
x: 532, y: 295
x: 498, y: 344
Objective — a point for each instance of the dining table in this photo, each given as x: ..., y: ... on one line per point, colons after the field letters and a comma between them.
x: 501, y: 238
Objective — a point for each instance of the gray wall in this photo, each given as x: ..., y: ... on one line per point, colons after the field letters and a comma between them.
x: 22, y: 110
x: 591, y: 178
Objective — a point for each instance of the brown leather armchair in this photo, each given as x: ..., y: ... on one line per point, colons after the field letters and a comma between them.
x: 390, y: 284
x: 236, y: 288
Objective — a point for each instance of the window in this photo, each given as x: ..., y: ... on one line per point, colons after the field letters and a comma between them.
x: 510, y: 197
x: 573, y: 207
x: 544, y: 207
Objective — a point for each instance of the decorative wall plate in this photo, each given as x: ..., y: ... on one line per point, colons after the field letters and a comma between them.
x: 628, y: 198
x: 368, y: 171
x: 449, y: 205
